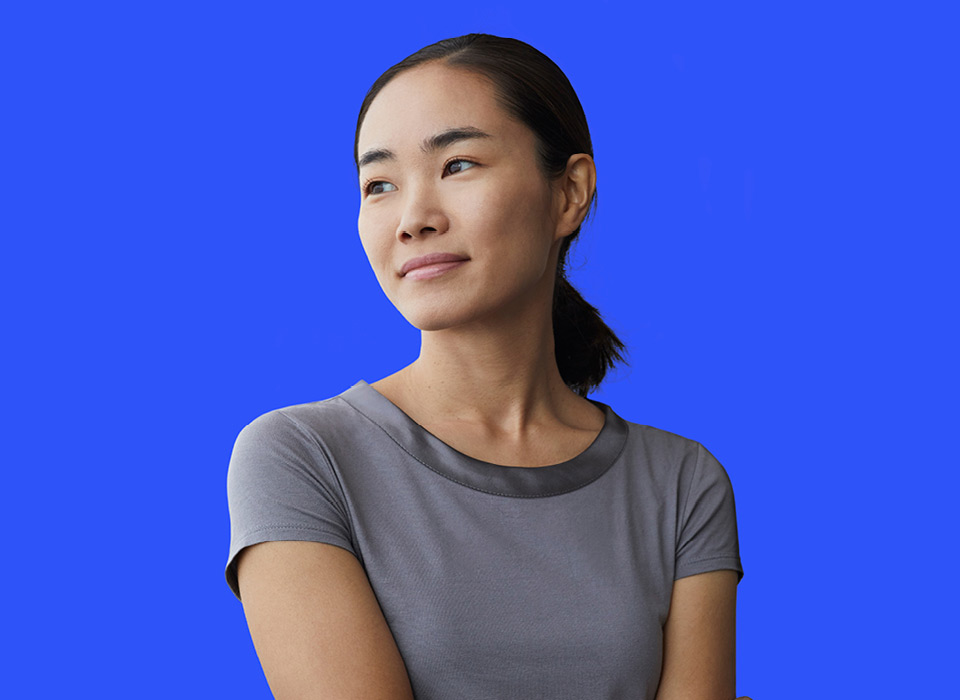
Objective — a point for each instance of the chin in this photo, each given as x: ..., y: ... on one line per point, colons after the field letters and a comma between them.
x: 438, y: 317
x: 433, y: 321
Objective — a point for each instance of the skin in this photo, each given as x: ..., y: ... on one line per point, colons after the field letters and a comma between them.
x: 486, y: 380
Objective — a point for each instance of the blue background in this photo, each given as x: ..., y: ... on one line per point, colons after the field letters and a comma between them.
x: 775, y: 242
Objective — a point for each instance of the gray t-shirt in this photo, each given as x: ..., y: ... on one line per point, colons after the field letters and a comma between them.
x: 497, y: 582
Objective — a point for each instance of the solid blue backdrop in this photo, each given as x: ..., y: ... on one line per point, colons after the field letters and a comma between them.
x: 775, y: 242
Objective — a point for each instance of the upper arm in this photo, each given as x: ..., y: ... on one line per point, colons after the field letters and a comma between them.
x: 316, y: 624
x: 699, y: 639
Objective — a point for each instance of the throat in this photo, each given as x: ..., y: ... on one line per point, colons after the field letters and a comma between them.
x: 542, y: 447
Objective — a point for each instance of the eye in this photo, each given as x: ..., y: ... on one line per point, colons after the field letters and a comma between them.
x: 372, y: 187
x: 458, y: 165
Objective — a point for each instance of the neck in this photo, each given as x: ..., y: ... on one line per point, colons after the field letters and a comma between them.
x: 499, y: 374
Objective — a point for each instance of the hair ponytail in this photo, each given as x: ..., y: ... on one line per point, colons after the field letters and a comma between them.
x: 584, y: 345
x: 533, y: 89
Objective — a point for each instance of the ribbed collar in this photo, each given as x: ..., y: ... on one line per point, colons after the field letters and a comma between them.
x: 518, y: 482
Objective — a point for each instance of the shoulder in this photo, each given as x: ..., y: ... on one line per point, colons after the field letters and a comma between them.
x: 669, y: 454
x: 662, y: 444
x: 310, y: 422
x: 295, y: 449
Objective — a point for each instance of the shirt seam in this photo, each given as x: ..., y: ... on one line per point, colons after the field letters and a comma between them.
x: 474, y: 488
x: 718, y: 556
x: 281, y: 526
x: 312, y: 435
x: 686, y: 498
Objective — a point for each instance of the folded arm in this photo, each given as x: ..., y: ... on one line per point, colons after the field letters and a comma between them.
x: 699, y: 639
x: 316, y: 624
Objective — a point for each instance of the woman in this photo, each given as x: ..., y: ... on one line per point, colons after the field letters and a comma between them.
x: 473, y: 526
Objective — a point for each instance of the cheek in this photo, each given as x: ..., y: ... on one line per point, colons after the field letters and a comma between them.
x: 514, y: 216
x: 373, y: 237
x: 504, y: 210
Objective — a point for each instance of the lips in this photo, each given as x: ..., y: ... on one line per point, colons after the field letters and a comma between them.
x: 431, y: 259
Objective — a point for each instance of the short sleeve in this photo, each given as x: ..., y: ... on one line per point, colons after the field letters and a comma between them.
x: 708, y: 538
x: 280, y: 486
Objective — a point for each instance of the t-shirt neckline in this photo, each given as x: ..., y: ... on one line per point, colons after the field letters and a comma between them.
x: 520, y: 482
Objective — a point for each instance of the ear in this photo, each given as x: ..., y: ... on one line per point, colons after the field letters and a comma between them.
x: 575, y: 191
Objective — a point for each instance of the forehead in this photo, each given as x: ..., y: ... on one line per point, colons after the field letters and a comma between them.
x: 429, y: 99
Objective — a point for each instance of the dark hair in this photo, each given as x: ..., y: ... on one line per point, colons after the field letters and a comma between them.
x: 533, y: 89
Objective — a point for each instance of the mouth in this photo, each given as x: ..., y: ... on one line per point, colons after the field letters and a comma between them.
x: 424, y: 272
x: 430, y: 260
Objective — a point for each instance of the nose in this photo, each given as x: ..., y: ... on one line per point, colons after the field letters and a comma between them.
x: 422, y: 214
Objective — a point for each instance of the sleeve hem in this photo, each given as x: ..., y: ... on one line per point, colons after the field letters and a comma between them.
x: 706, y: 564
x: 280, y: 533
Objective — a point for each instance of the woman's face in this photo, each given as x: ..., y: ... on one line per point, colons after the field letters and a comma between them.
x: 476, y: 194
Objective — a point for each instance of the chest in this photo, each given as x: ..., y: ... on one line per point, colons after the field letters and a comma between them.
x: 520, y: 598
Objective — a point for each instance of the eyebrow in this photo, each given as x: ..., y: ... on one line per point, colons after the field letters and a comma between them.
x: 430, y: 145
